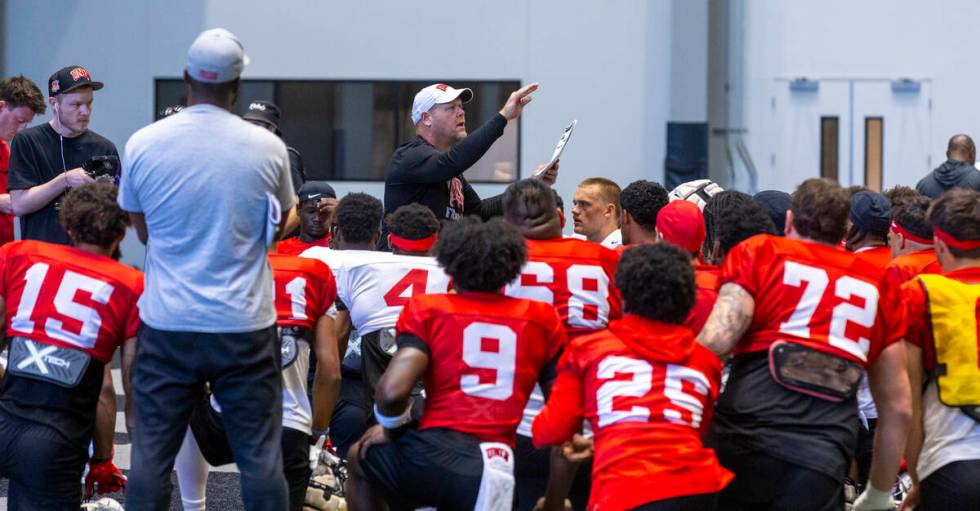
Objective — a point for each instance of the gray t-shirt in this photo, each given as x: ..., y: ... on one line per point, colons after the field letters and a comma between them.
x: 202, y: 178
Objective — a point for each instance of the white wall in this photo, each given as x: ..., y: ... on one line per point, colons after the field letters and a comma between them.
x: 605, y: 62
x: 868, y: 39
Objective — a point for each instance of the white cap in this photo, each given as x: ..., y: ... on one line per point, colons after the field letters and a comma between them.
x: 436, y: 94
x: 216, y: 57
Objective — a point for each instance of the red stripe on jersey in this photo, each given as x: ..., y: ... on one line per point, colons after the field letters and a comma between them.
x: 816, y: 295
x: 487, y: 351
x: 69, y: 297
x: 305, y: 290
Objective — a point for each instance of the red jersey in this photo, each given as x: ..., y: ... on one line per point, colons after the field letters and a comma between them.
x: 60, y: 295
x: 707, y: 281
x: 919, y: 331
x: 816, y: 295
x: 906, y: 266
x: 487, y: 351
x: 576, y: 276
x: 6, y: 221
x: 305, y: 290
x: 878, y: 256
x: 295, y: 246
x: 647, y: 389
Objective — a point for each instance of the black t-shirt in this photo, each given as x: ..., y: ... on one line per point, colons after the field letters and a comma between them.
x: 418, y: 172
x: 35, y: 159
x: 296, y: 168
x: 70, y: 412
x: 755, y: 413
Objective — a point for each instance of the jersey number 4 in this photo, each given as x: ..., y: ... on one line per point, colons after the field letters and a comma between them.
x: 685, y: 408
x: 64, y: 304
x: 814, y: 282
x: 413, y: 283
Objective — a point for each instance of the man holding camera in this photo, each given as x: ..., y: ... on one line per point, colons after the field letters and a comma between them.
x: 47, y: 160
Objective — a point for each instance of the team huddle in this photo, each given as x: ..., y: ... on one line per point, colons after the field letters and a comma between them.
x: 505, y: 365
x: 697, y: 349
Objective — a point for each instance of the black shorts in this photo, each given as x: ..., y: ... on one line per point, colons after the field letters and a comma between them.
x: 702, y: 502
x: 953, y: 486
x: 44, y: 469
x: 435, y: 467
x: 766, y: 483
x: 531, y: 468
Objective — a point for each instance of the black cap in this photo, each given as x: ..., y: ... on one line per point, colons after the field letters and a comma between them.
x: 69, y: 78
x: 871, y: 212
x: 264, y: 111
x: 777, y: 203
x: 315, y: 190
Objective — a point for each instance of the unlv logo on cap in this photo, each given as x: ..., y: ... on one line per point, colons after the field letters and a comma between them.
x: 79, y: 72
x: 257, y: 106
x: 442, y: 87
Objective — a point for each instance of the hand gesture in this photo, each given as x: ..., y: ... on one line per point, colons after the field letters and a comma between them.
x: 518, y: 99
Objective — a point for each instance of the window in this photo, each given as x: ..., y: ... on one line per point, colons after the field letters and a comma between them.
x: 347, y: 130
x: 874, y: 146
x: 829, y: 149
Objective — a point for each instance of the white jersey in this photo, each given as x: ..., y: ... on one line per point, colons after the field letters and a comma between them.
x: 950, y: 435
x: 375, y: 286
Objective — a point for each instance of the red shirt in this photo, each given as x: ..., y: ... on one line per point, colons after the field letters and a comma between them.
x: 707, y: 281
x: 487, y: 351
x: 6, y: 221
x: 878, y: 256
x: 295, y: 246
x: 906, y: 266
x: 60, y: 295
x: 576, y: 276
x: 816, y: 295
x: 305, y: 290
x: 919, y: 325
x: 647, y: 389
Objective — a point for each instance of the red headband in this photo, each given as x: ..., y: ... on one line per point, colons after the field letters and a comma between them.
x: 955, y: 243
x: 898, y: 229
x: 420, y: 245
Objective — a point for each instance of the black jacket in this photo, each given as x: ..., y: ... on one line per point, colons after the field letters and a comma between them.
x: 950, y: 174
x: 418, y: 172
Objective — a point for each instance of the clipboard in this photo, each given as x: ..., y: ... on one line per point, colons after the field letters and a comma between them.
x: 567, y: 134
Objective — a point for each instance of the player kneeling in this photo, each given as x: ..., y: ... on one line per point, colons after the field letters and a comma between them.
x: 67, y: 309
x: 479, y: 353
x: 646, y: 387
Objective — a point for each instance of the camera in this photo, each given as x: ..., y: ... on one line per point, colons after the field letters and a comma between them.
x: 103, y: 168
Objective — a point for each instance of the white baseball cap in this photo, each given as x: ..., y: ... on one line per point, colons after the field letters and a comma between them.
x: 436, y: 94
x: 216, y: 56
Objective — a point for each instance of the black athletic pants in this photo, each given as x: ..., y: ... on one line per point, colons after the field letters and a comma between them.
x: 954, y: 486
x: 702, y: 502
x: 245, y: 373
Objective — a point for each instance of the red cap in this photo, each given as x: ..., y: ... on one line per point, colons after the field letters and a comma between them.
x: 681, y: 223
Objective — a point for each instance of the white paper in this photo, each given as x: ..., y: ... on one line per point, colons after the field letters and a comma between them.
x: 559, y: 148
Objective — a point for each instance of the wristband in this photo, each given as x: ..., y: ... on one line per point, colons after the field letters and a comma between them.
x: 395, y: 421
